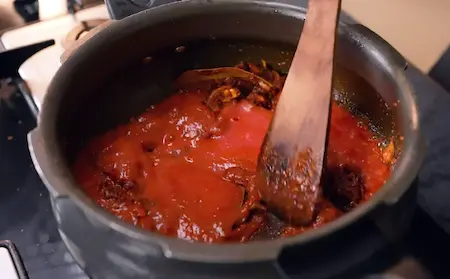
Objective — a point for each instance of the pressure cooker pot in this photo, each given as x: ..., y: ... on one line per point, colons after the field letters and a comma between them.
x: 132, y: 63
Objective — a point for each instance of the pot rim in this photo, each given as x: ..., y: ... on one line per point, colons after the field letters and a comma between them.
x: 405, y: 171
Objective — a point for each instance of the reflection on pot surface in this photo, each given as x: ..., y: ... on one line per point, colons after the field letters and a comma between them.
x: 186, y: 166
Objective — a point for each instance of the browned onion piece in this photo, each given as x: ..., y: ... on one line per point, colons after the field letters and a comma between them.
x: 193, y: 78
x: 246, y: 82
x: 221, y: 95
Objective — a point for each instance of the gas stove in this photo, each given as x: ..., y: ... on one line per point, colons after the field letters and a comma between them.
x: 33, y: 229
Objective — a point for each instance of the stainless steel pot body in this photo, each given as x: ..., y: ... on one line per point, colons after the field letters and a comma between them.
x: 104, y: 83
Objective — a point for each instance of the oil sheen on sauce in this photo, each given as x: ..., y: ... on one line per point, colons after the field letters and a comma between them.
x: 172, y: 170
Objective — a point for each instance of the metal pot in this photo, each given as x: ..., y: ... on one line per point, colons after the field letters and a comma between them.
x: 104, y: 82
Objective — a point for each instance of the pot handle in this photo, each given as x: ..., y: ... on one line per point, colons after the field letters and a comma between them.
x: 42, y: 163
x: 71, y: 48
x: 340, y: 252
x: 365, y: 33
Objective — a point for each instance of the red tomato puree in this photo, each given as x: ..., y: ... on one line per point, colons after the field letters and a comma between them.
x: 165, y: 170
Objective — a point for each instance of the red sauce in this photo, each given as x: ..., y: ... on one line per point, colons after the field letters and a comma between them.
x: 164, y: 170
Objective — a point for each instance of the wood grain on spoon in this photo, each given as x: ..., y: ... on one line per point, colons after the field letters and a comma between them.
x: 291, y: 159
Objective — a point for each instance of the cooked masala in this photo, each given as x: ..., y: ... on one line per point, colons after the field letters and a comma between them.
x: 186, y: 166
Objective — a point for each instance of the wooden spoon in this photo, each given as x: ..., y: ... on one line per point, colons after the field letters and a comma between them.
x: 292, y: 156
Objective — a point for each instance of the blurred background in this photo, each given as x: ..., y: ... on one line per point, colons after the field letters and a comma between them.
x: 417, y: 28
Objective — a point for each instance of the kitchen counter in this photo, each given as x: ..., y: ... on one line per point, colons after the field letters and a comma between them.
x: 419, y: 29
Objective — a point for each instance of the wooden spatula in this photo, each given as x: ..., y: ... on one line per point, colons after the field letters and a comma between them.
x: 292, y: 155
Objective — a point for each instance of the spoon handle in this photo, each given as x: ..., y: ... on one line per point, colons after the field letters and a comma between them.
x: 309, y: 82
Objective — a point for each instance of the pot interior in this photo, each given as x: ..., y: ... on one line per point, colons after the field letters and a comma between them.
x: 129, y: 92
x: 129, y: 67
